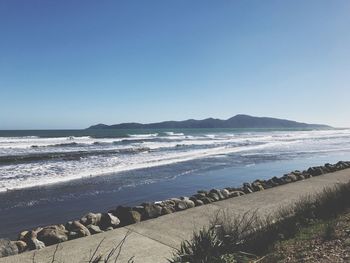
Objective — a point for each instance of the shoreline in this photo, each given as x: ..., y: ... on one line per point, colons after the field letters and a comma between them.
x: 121, y: 216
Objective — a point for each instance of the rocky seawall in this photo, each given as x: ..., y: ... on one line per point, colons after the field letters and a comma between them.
x: 94, y: 223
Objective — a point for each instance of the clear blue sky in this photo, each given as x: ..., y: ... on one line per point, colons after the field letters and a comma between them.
x: 70, y: 64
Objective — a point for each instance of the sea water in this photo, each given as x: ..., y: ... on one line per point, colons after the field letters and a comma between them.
x: 56, y: 175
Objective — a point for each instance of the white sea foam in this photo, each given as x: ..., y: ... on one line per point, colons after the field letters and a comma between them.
x: 174, y: 134
x: 54, y: 172
x: 164, y: 148
x: 148, y: 135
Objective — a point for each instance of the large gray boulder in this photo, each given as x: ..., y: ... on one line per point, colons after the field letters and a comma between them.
x: 181, y: 205
x: 22, y: 235
x: 93, y: 229
x: 247, y: 188
x: 214, y: 196
x: 225, y: 193
x: 91, y: 219
x: 341, y: 165
x: 77, y: 229
x: 198, y: 202
x: 149, y: 210
x: 109, y: 220
x: 315, y: 171
x: 206, y: 200
x: 127, y: 215
x: 167, y: 210
x: 51, y: 235
x: 200, y: 195
x: 217, y: 192
x: 189, y: 203
x: 236, y: 193
x: 21, y: 245
x: 32, y: 241
x: 306, y: 175
x: 292, y: 177
x: 257, y: 186
x: 330, y: 168
x: 7, y: 248
x: 274, y: 181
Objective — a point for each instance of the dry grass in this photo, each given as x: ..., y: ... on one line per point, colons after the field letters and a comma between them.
x: 248, y: 238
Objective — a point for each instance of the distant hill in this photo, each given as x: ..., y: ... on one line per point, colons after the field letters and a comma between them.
x: 238, y: 121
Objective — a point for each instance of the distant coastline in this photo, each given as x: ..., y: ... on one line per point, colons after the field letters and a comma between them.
x: 238, y: 121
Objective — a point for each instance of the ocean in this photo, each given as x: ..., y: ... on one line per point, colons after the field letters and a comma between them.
x: 54, y: 176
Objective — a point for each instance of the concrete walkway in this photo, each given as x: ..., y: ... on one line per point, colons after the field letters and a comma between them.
x: 154, y: 240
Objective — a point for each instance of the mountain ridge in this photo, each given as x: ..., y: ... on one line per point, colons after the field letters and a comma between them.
x: 237, y: 121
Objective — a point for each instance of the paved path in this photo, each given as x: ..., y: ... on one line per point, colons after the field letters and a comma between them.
x: 154, y: 240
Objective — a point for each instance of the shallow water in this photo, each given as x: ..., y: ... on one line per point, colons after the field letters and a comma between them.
x: 75, y: 172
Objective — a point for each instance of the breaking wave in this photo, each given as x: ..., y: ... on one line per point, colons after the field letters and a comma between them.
x: 31, y: 160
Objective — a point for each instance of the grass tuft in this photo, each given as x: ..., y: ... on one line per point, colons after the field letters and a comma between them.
x: 248, y: 237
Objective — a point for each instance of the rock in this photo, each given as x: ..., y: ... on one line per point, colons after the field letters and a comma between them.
x: 37, y: 244
x: 69, y: 225
x: 198, y: 203
x: 274, y: 181
x: 256, y: 185
x: 330, y: 167
x: 73, y: 235
x: 176, y: 201
x: 31, y: 240
x: 194, y: 199
x: 167, y: 210
x: 236, y: 193
x: 79, y: 228
x: 315, y: 171
x: 141, y: 210
x: 203, y: 192
x: 260, y: 187
x: 21, y: 245
x: 199, y: 196
x: 189, y: 203
x: 93, y: 229
x: 51, y: 235
x: 151, y: 211
x: 306, y: 175
x: 264, y: 184
x: 225, y: 193
x: 109, y: 228
x: 292, y: 177
x: 91, y: 219
x: 296, y: 172
x: 218, y: 192
x: 247, y: 188
x: 134, y: 217
x: 109, y: 220
x: 300, y: 177
x: 214, y: 196
x: 169, y: 203
x: 22, y: 235
x: 7, y: 248
x: 205, y: 200
x: 181, y: 205
x: 341, y: 165
x: 126, y: 215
